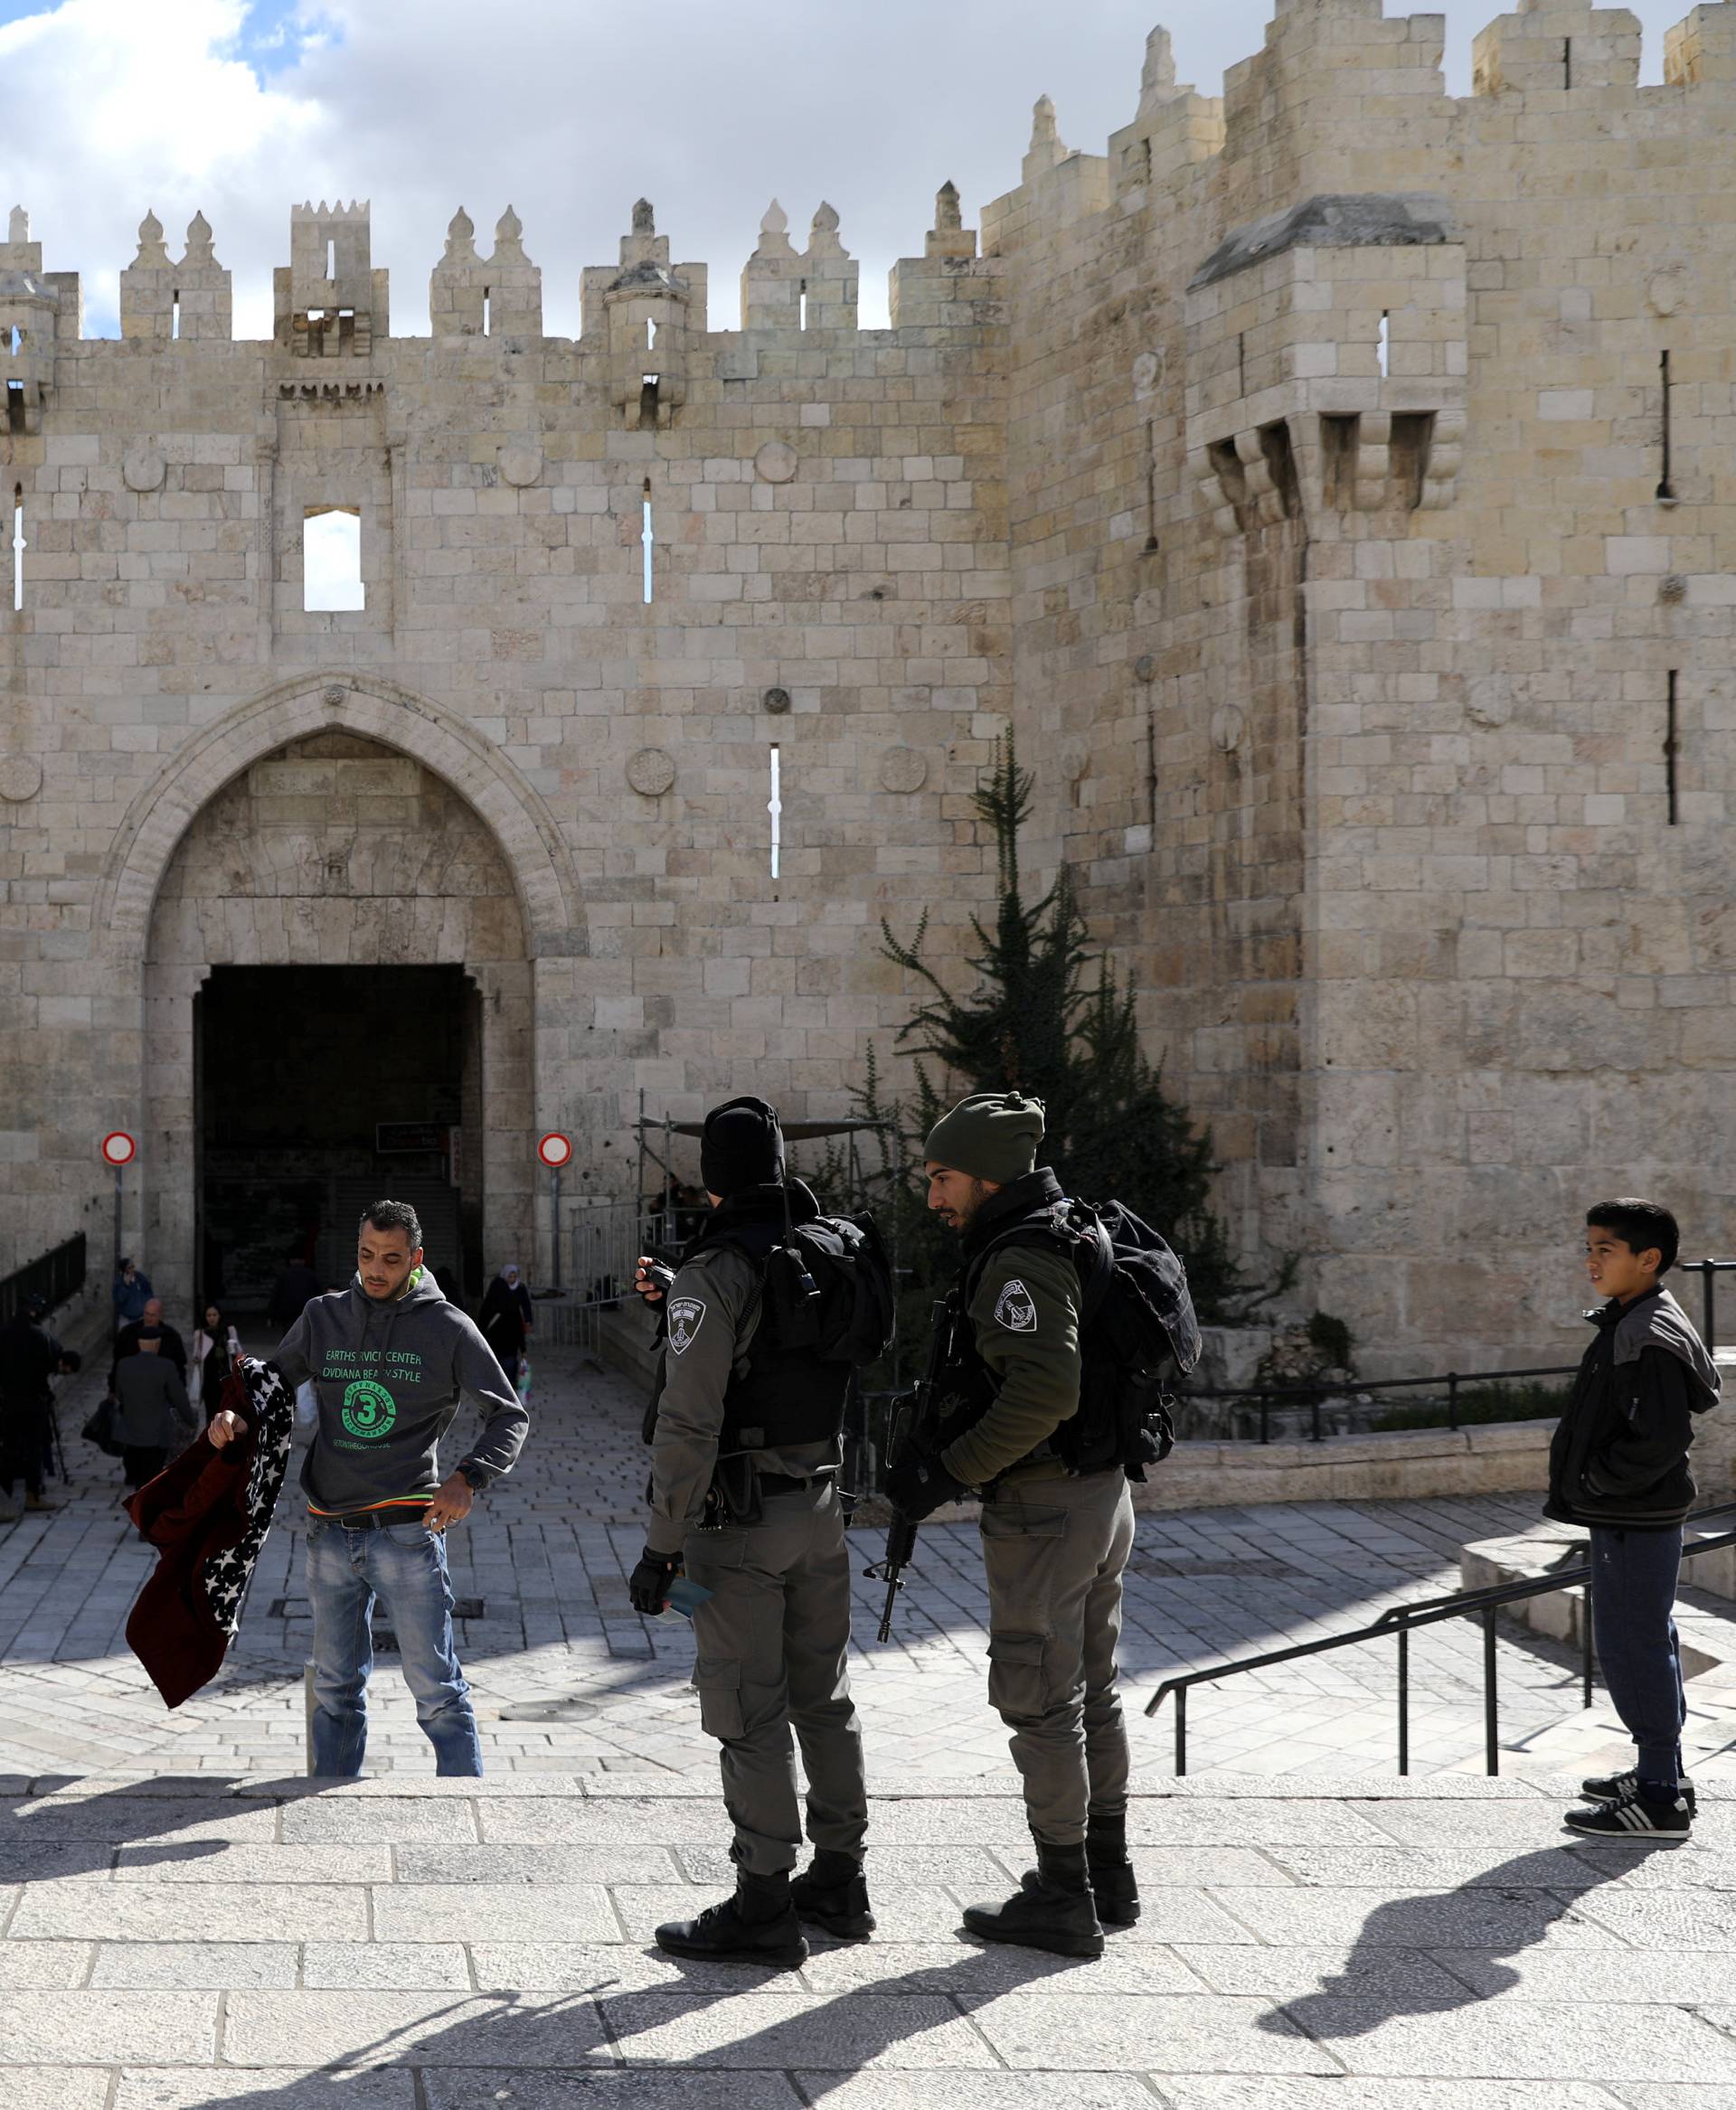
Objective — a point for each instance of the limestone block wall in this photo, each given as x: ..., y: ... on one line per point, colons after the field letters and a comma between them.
x: 1331, y: 482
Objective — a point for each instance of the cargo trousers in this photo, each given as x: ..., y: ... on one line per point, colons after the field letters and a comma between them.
x: 1054, y: 1551
x: 771, y: 1646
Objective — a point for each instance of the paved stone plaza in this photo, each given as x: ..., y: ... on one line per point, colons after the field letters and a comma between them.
x: 187, y: 1925
x: 569, y: 1679
x: 187, y: 1943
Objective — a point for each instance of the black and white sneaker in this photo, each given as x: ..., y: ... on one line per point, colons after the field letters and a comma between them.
x: 1636, y: 1817
x: 1616, y: 1786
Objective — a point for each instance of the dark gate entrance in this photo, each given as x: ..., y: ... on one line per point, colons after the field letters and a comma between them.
x: 319, y: 1089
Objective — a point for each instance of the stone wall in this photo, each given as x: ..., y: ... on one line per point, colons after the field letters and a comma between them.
x: 1292, y: 477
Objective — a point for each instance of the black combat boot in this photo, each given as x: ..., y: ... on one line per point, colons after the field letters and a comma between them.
x: 1054, y: 1913
x: 756, y: 1926
x: 833, y: 1894
x: 1115, y: 1888
x: 1114, y: 1885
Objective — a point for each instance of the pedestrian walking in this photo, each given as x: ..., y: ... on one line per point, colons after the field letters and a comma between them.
x: 745, y: 1450
x: 1050, y: 1456
x: 216, y: 1352
x: 151, y: 1403
x: 389, y: 1359
x: 171, y: 1346
x: 131, y: 1293
x: 30, y: 1360
x: 1618, y: 1465
x: 508, y: 1316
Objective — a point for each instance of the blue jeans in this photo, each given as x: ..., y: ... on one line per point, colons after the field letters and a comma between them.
x: 404, y: 1566
x: 1633, y: 1594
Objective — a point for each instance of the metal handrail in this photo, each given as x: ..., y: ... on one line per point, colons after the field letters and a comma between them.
x: 1398, y: 1620
x: 1311, y: 1395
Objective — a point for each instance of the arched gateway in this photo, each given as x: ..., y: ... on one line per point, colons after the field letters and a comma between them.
x: 335, y: 902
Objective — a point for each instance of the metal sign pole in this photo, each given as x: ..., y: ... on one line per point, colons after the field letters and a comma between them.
x: 118, y: 1172
x: 554, y: 1174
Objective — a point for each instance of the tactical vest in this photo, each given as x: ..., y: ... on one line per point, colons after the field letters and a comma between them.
x: 965, y: 1388
x: 778, y: 1397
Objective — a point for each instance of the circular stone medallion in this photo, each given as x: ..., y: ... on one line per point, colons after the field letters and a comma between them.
x: 520, y: 465
x: 777, y: 461
x: 903, y: 769
x: 21, y: 777
x: 1229, y: 722
x: 142, y: 470
x: 651, y: 772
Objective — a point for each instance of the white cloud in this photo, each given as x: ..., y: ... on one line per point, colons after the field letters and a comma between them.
x: 570, y: 110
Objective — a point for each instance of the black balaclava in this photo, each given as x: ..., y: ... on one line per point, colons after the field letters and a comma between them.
x: 741, y: 1146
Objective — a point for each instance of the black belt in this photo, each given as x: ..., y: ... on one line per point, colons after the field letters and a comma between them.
x: 785, y: 1483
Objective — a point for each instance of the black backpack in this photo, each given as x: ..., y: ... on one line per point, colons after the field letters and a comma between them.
x: 828, y: 1289
x: 1136, y: 1320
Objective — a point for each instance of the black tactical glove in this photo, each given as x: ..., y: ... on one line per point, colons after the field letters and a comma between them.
x: 647, y: 1588
x: 916, y: 1487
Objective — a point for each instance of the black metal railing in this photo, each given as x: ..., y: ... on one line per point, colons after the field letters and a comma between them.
x: 56, y: 1277
x: 1400, y: 1620
x: 1708, y: 1270
x: 1314, y: 1398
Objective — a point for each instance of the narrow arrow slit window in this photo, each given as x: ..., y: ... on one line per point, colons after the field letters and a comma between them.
x: 647, y: 537
x: 775, y: 807
x: 1383, y: 342
x: 175, y: 313
x: 18, y: 546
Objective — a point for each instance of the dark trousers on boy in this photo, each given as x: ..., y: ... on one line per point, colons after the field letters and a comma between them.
x: 1633, y: 1596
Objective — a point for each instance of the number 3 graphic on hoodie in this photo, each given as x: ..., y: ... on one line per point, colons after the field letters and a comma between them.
x: 368, y: 1409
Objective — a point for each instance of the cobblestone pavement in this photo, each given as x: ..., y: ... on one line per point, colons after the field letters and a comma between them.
x: 199, y: 1944
x: 569, y: 1679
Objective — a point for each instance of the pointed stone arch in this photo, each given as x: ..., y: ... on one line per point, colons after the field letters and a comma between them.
x: 378, y: 710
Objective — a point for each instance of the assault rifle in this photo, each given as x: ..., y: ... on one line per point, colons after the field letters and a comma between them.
x: 913, y: 1427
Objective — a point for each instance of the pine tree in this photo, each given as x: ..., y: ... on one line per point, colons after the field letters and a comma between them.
x: 1050, y: 1017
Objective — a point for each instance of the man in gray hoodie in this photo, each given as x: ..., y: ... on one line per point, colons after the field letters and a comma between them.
x: 389, y: 1358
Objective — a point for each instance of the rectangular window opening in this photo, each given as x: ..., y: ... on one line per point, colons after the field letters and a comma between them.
x: 648, y: 402
x: 16, y: 406
x: 1665, y: 487
x: 1383, y: 341
x: 17, y: 547
x: 1338, y: 442
x: 488, y: 307
x: 801, y: 307
x: 174, y: 315
x: 1412, y: 439
x: 1672, y: 748
x: 331, y: 560
x: 648, y: 538
x: 331, y: 258
x: 775, y: 807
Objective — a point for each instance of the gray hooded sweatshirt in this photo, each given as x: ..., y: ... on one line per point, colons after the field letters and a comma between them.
x: 389, y: 1377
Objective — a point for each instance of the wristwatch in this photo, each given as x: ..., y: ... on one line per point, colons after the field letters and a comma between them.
x: 474, y: 1474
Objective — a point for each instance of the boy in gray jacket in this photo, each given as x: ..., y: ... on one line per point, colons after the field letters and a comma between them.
x: 389, y: 1359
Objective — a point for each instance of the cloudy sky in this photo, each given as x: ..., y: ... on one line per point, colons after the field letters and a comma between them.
x: 568, y: 109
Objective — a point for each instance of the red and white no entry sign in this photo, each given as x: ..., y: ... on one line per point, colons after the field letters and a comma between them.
x: 555, y: 1150
x: 119, y: 1148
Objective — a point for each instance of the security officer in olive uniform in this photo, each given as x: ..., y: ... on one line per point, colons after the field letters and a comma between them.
x: 1055, y: 1544
x: 744, y: 1497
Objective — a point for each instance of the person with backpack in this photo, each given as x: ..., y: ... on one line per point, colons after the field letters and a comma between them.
x: 762, y: 1323
x: 1045, y: 1395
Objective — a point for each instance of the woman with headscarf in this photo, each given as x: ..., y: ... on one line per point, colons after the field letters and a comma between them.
x: 507, y: 1317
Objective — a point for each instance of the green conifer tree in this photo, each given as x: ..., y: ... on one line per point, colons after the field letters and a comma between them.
x: 1050, y: 1017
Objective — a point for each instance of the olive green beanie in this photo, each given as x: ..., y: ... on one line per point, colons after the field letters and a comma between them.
x: 991, y: 1135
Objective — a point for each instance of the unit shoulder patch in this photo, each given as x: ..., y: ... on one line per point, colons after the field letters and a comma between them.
x: 1016, y: 1308
x: 686, y: 1317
